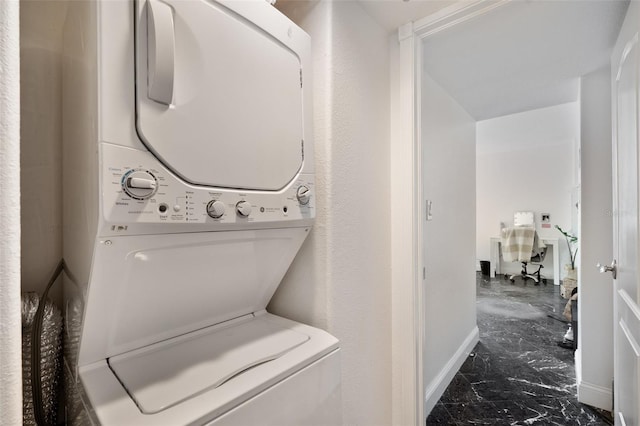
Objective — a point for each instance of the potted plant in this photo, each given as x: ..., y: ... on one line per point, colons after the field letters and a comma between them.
x: 571, y: 241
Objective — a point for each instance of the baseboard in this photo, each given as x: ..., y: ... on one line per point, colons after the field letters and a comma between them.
x: 438, y: 385
x: 594, y: 395
x: 588, y: 393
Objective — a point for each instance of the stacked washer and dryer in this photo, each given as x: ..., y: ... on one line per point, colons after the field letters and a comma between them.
x: 188, y: 190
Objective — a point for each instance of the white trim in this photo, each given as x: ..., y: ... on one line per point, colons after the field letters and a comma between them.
x: 453, y: 15
x: 631, y: 305
x: 407, y: 363
x: 616, y: 68
x: 594, y: 395
x: 405, y: 31
x: 436, y: 388
x: 406, y: 224
x: 589, y: 393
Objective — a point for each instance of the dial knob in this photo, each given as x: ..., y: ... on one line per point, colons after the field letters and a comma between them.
x: 303, y: 194
x: 243, y: 208
x: 139, y: 184
x: 215, y: 209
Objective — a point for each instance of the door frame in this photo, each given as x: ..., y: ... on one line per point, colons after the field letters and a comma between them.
x: 407, y: 277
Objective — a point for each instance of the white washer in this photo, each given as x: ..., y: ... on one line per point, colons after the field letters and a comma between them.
x: 188, y: 190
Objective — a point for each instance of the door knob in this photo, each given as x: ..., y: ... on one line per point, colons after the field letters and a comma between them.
x: 604, y: 268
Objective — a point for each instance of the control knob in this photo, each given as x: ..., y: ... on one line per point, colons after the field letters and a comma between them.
x: 215, y: 209
x: 139, y: 184
x: 303, y: 194
x: 243, y: 208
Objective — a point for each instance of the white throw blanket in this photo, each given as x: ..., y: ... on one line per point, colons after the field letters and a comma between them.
x: 518, y: 243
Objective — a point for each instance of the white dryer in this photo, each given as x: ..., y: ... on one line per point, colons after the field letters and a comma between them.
x: 188, y: 190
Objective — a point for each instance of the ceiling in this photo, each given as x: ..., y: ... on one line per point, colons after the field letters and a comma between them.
x: 523, y: 55
x: 390, y: 14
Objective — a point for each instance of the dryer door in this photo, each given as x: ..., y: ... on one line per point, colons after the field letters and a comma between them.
x: 219, y: 100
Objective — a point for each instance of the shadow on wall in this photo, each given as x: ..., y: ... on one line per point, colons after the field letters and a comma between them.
x: 41, y: 25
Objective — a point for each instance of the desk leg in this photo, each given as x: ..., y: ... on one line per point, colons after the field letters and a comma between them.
x: 495, y: 258
x: 556, y: 264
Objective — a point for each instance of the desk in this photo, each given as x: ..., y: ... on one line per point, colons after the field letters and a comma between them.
x: 495, y: 243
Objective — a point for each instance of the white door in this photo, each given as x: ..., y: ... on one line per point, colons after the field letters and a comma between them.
x: 625, y: 206
x: 218, y: 98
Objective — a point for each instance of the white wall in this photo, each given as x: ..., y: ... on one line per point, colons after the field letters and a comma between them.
x: 41, y: 141
x: 526, y: 161
x: 595, y: 340
x: 10, y: 327
x: 448, y: 152
x: 341, y: 279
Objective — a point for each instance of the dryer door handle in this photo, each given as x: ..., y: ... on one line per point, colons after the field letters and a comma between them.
x: 160, y: 51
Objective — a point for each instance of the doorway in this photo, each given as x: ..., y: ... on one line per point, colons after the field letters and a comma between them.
x: 592, y: 389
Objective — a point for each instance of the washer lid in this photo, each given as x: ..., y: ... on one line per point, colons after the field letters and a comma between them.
x: 167, y: 373
x: 219, y: 100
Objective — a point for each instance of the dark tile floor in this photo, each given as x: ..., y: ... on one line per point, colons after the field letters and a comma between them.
x: 517, y: 374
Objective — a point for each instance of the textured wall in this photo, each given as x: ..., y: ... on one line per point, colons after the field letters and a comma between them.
x: 10, y: 329
x: 341, y: 279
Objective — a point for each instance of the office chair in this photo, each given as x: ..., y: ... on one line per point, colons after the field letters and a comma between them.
x: 538, y: 252
x: 536, y: 260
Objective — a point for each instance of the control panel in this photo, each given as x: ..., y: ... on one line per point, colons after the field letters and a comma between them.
x: 137, y: 189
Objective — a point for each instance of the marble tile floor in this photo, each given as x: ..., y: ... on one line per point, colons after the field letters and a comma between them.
x: 517, y: 374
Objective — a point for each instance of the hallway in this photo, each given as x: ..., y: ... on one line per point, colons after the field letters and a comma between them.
x: 517, y: 374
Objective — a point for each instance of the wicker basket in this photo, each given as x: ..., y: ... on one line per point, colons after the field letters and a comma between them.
x: 567, y: 286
